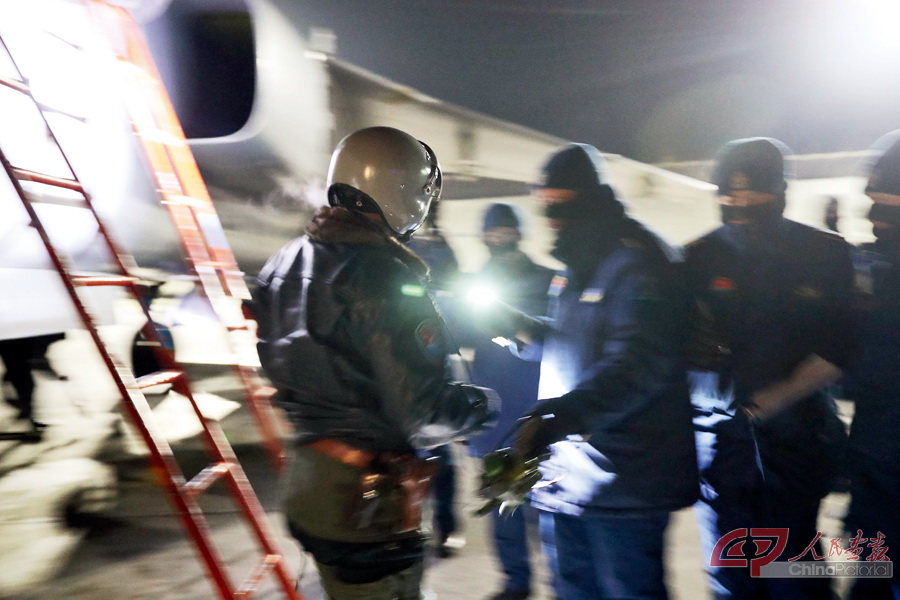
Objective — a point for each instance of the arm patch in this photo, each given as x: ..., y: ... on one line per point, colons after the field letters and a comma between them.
x: 431, y: 341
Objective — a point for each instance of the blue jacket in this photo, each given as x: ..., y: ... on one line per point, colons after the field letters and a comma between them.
x: 611, y: 353
x: 873, y: 381
x: 761, y: 306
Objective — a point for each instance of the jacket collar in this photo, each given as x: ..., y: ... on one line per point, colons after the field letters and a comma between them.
x: 338, y: 225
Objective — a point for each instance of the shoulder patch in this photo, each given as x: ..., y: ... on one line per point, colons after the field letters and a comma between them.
x: 557, y: 285
x: 722, y: 284
x: 591, y: 296
x: 431, y: 341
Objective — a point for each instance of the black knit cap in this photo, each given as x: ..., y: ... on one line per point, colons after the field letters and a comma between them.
x: 884, y: 172
x: 575, y: 167
x: 755, y: 164
x: 500, y: 214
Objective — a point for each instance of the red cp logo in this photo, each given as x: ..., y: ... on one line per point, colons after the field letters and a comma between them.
x: 730, y: 550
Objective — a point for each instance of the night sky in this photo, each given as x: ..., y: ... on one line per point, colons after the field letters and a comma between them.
x: 653, y: 80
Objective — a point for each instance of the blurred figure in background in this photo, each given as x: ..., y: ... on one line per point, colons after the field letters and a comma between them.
x: 512, y: 277
x: 771, y: 329
x: 351, y: 339
x: 832, y: 214
x: 20, y: 357
x: 431, y: 246
x: 443, y: 271
x: 873, y: 381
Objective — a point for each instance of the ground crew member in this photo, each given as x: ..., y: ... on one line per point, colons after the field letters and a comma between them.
x: 352, y: 341
x: 611, y: 373
x: 873, y: 380
x: 771, y: 328
x: 515, y: 279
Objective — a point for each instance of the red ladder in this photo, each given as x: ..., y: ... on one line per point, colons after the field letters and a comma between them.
x: 187, y: 199
x: 183, y: 493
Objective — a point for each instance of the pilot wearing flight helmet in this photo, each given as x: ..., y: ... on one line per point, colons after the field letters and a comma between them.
x: 351, y: 339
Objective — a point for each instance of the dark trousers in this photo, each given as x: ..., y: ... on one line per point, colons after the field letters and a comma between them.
x: 736, y: 583
x: 16, y: 355
x: 510, y: 537
x: 443, y: 488
x: 737, y: 495
x: 610, y: 555
x: 875, y: 589
x: 875, y: 504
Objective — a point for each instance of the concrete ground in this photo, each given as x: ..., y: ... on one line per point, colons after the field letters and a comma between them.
x: 124, y: 542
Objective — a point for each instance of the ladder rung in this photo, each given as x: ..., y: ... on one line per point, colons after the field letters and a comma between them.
x: 20, y: 86
x: 205, y: 478
x: 158, y: 378
x: 156, y: 134
x: 98, y: 280
x: 264, y: 393
x: 213, y: 264
x: 27, y: 175
x: 70, y: 202
x: 268, y: 562
x: 180, y: 200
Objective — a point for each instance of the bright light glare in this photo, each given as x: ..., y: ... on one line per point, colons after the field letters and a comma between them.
x: 481, y: 296
x: 881, y: 19
x: 551, y: 385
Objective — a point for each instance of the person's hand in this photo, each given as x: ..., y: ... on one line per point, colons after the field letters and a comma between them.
x: 768, y: 402
x: 531, y: 437
x: 812, y: 374
x: 548, y: 422
x: 506, y: 479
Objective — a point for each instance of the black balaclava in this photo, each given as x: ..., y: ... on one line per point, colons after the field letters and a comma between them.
x: 501, y: 215
x: 885, y: 179
x: 755, y: 164
x: 593, y: 217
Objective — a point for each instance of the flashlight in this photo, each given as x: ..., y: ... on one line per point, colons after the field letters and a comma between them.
x: 481, y: 296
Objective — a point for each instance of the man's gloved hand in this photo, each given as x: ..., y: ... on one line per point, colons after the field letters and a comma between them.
x: 506, y: 479
x: 546, y: 423
x: 509, y: 474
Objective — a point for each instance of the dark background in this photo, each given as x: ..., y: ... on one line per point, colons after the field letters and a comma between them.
x: 653, y: 80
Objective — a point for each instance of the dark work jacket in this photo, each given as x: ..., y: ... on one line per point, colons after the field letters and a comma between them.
x: 611, y: 351
x: 353, y: 342
x: 873, y: 382
x: 760, y: 307
x: 522, y: 284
